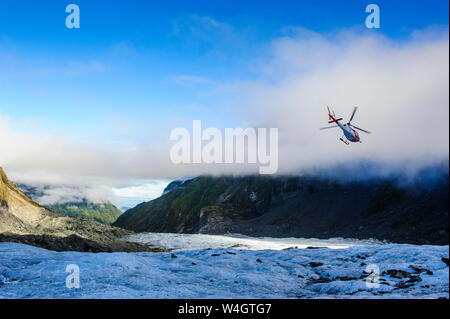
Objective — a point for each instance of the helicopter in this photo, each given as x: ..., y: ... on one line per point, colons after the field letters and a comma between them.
x: 350, y: 133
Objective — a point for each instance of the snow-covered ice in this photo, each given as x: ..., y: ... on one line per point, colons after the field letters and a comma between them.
x: 30, y: 272
x: 237, y: 241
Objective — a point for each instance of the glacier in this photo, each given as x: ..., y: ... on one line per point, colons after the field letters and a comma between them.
x: 277, y: 271
x: 175, y: 241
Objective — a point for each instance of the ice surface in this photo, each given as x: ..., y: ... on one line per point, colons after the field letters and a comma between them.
x: 237, y: 241
x: 30, y: 272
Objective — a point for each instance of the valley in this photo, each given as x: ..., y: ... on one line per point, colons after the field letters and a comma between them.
x: 414, y: 212
x: 235, y: 237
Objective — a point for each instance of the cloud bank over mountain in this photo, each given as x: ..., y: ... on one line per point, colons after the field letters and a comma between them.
x: 401, y: 89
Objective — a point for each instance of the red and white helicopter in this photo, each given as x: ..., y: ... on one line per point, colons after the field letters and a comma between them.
x: 350, y: 135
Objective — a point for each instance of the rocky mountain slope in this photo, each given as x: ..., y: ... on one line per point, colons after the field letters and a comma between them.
x: 23, y: 220
x: 416, y: 212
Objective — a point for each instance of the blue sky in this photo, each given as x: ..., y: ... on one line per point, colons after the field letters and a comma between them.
x: 136, y: 69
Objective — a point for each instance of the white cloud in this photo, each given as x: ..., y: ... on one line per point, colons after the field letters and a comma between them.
x: 72, y: 194
x: 400, y: 87
x: 145, y: 191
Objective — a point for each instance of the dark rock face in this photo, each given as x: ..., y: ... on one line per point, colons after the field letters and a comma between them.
x: 3, y: 203
x: 299, y: 207
x: 74, y: 243
x: 205, y: 201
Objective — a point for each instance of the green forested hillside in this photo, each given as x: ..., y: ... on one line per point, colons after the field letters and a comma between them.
x: 105, y: 213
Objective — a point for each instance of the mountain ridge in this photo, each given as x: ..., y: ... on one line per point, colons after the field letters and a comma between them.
x: 299, y: 206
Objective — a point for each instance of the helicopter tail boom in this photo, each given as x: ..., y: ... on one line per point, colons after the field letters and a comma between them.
x: 331, y: 117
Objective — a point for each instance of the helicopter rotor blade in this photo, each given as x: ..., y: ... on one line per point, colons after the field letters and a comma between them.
x: 353, y: 114
x: 360, y: 129
x: 327, y: 127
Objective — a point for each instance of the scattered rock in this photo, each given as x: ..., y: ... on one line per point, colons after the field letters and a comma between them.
x: 381, y: 292
x: 414, y: 279
x: 399, y: 274
x: 420, y: 270
x: 354, y: 292
x: 346, y: 278
x: 320, y: 280
x: 314, y: 264
x: 402, y: 285
x: 259, y: 260
x: 173, y: 256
